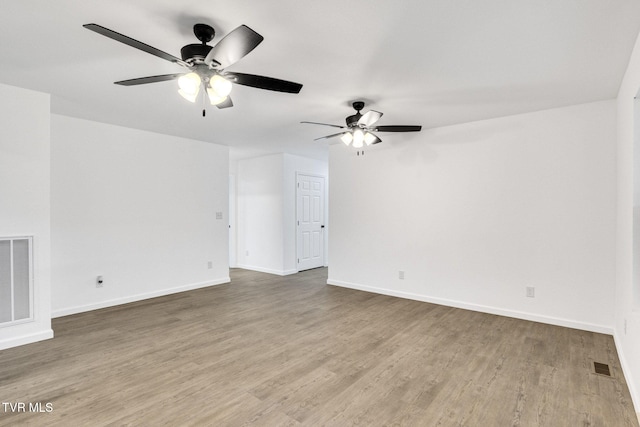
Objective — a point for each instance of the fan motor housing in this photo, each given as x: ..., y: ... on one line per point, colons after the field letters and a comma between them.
x: 195, y: 52
x: 352, y: 121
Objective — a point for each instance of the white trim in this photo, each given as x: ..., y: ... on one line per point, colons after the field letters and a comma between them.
x: 32, y: 275
x: 12, y: 293
x: 16, y: 322
x: 476, y: 307
x: 138, y: 297
x: 267, y: 270
x: 26, y: 339
x: 232, y: 219
x: 626, y: 371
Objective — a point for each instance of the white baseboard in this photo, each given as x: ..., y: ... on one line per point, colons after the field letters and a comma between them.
x: 26, y: 339
x: 267, y: 270
x: 476, y: 307
x: 626, y: 371
x: 139, y: 297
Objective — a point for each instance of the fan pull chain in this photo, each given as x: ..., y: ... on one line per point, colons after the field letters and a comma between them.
x: 204, y: 104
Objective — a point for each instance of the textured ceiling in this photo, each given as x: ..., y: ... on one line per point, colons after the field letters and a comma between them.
x: 428, y: 62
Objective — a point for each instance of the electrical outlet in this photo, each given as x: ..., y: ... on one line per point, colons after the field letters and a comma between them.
x: 401, y: 275
x: 218, y: 215
x: 247, y: 253
x: 531, y: 292
x: 99, y: 282
x: 210, y: 265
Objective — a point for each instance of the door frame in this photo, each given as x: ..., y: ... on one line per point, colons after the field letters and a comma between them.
x: 233, y: 251
x: 325, y: 214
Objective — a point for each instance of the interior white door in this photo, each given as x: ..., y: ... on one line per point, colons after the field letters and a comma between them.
x: 310, y: 221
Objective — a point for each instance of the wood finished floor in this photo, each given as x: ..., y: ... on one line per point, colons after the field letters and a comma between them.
x: 286, y: 351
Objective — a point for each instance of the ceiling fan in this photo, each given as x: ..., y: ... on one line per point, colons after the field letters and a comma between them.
x: 360, y: 128
x: 206, y: 65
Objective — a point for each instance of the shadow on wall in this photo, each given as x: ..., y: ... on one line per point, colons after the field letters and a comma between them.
x: 421, y: 148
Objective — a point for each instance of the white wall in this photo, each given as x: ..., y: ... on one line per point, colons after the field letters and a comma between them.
x: 627, y: 341
x: 24, y: 198
x: 260, y: 210
x: 136, y: 207
x: 475, y: 213
x: 266, y: 210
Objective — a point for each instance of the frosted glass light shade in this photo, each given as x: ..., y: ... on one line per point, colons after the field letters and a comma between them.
x: 214, y: 97
x: 189, y: 86
x: 220, y: 85
x: 191, y: 97
x: 189, y: 83
x: 346, y: 138
x: 369, y: 138
x: 358, y: 138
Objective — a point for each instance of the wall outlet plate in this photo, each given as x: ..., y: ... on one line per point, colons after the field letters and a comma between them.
x: 531, y: 292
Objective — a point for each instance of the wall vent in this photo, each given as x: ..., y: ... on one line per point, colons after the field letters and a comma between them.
x: 16, y: 280
x: 601, y: 369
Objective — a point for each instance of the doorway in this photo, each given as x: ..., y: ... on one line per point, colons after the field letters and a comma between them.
x: 232, y: 218
x: 310, y: 221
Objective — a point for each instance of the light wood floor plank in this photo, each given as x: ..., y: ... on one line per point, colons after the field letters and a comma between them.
x: 290, y: 351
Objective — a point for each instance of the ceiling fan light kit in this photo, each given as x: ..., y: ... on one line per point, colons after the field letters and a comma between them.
x: 218, y: 88
x: 206, y: 65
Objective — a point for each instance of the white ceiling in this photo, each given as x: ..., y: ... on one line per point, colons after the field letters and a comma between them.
x: 428, y: 62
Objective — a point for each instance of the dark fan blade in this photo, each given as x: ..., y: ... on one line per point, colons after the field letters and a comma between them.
x: 226, y: 104
x: 133, y: 43
x: 262, y: 82
x: 150, y: 79
x: 233, y: 47
x: 369, y: 118
x: 398, y: 128
x: 377, y: 141
x: 328, y: 136
x: 326, y: 124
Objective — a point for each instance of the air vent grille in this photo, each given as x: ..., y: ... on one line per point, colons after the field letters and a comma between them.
x: 601, y: 369
x: 16, y: 282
